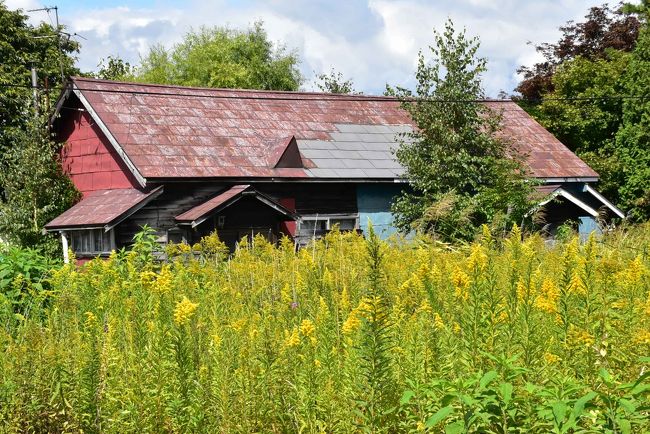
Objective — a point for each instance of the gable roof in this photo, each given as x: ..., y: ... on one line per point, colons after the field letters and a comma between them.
x: 173, y: 132
x: 103, y: 208
x: 197, y: 215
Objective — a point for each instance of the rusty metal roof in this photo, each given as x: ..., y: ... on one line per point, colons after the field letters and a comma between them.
x: 210, y: 205
x: 181, y: 132
x: 103, y: 208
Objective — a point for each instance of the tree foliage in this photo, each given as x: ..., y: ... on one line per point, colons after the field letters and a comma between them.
x: 587, y: 79
x: 334, y: 82
x: 222, y: 57
x: 462, y: 175
x: 33, y: 187
x: 21, y: 46
x: 114, y: 68
x: 633, y: 138
x: 602, y: 30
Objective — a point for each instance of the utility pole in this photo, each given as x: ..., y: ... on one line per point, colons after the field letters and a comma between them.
x: 35, y: 88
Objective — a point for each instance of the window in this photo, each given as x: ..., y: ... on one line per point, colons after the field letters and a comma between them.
x: 319, y: 224
x: 91, y: 241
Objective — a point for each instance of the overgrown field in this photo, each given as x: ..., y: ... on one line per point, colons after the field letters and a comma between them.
x: 348, y: 335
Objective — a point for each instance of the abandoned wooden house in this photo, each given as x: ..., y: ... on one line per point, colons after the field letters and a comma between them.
x: 188, y: 161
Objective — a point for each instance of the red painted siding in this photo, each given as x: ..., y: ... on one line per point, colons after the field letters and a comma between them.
x: 288, y: 228
x: 88, y: 157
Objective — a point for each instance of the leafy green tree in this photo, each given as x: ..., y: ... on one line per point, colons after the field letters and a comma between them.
x: 602, y: 30
x: 21, y: 46
x: 115, y: 68
x: 633, y: 138
x: 589, y: 69
x: 461, y: 174
x: 33, y: 188
x: 334, y: 82
x: 223, y: 57
x: 582, y: 115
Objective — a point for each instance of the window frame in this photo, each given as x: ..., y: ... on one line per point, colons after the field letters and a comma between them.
x: 327, y: 218
x: 88, y: 237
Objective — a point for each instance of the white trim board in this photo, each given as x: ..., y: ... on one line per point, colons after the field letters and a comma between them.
x: 571, y: 198
x: 601, y: 198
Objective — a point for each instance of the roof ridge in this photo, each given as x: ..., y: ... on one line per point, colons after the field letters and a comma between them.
x: 225, y: 89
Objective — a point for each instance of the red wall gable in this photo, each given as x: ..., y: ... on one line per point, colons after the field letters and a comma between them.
x: 87, y: 155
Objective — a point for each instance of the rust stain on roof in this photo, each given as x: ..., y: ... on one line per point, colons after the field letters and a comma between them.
x: 208, y: 206
x: 181, y: 132
x: 101, y: 207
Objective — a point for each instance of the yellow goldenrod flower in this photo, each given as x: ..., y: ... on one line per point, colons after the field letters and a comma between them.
x: 461, y: 282
x: 91, y: 320
x: 351, y: 324
x: 642, y: 337
x: 239, y: 324
x: 164, y: 280
x: 184, y: 248
x: 635, y: 271
x: 344, y: 301
x: 522, y: 289
x: 216, y: 340
x: 551, y: 358
x: 438, y: 324
x: 549, y: 295
x: 478, y: 258
x: 579, y: 337
x: 147, y: 278
x: 307, y: 328
x: 425, y: 307
x: 323, y: 310
x: 486, y: 234
x: 184, y: 311
x: 292, y: 339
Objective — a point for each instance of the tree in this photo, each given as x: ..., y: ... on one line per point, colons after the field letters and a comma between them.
x: 32, y: 187
x: 35, y: 189
x: 591, y: 70
x: 460, y: 173
x: 223, y: 57
x: 633, y: 137
x: 21, y: 46
x: 114, y: 68
x: 334, y: 82
x: 604, y: 29
x: 581, y: 113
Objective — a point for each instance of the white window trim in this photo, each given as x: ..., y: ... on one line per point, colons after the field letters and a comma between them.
x: 328, y: 218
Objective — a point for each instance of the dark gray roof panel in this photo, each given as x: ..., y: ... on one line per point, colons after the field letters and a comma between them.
x: 355, y: 151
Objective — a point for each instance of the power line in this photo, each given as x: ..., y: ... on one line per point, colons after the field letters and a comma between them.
x: 298, y: 96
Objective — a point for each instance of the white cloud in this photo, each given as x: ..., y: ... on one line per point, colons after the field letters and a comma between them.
x: 374, y: 43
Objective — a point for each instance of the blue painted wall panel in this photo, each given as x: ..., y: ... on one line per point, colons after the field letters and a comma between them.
x: 373, y: 202
x: 587, y: 226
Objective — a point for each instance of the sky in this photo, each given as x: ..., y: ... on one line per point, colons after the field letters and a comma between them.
x: 373, y: 42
